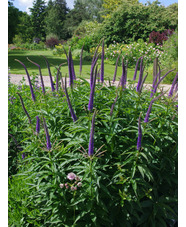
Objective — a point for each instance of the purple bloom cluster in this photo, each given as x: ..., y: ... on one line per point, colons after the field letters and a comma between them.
x: 49, y: 146
x: 11, y: 98
x: 102, y: 63
x: 71, y: 70
x: 123, y: 79
x: 138, y: 88
x: 156, y: 86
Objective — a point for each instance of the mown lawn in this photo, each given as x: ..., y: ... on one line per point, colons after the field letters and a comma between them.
x: 35, y: 55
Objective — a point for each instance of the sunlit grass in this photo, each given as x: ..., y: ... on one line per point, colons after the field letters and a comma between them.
x: 35, y: 55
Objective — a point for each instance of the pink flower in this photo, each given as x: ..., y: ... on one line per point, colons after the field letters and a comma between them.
x: 71, y: 176
x: 73, y: 188
x: 79, y: 184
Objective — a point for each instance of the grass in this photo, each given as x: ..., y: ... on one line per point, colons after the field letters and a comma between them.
x: 35, y: 55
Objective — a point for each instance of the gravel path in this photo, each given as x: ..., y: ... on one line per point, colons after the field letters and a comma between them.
x: 16, y: 78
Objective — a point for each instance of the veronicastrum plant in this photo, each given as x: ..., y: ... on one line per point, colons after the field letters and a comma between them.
x: 114, y: 164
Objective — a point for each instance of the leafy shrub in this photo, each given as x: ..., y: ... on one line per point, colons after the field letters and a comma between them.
x: 120, y: 185
x: 170, y: 57
x: 77, y: 42
x: 17, y: 40
x: 51, y: 41
x: 131, y: 52
x: 130, y: 22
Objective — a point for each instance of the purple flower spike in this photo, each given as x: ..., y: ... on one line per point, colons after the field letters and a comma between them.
x: 154, y: 82
x: 69, y: 103
x: 23, y: 155
x: 49, y: 146
x: 49, y: 72
x: 73, y: 70
x: 69, y: 59
x: 91, y: 99
x: 22, y: 103
x: 150, y: 107
x: 140, y: 76
x: 92, y: 71
x: 37, y: 124
x: 136, y: 69
x: 102, y: 63
x: 91, y: 140
x: 173, y: 84
x: 123, y: 76
x: 28, y: 76
x: 156, y: 86
x: 116, y: 67
x: 41, y: 77
x: 139, y: 134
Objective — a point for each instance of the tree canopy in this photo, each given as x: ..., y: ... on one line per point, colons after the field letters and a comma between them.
x: 120, y: 20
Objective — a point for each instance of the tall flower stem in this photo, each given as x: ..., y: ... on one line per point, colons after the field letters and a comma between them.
x: 49, y: 72
x: 28, y: 76
x: 41, y: 77
x: 22, y: 103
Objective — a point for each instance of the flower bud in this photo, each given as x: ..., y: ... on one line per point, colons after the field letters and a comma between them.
x: 79, y: 184
x: 61, y: 185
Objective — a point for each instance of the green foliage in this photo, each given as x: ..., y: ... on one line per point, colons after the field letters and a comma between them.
x: 133, y: 21
x: 25, y: 28
x: 131, y: 52
x: 170, y: 58
x: 54, y: 21
x: 121, y: 186
x: 38, y: 13
x: 13, y: 21
x: 92, y: 8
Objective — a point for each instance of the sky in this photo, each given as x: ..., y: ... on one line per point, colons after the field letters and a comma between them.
x: 23, y: 5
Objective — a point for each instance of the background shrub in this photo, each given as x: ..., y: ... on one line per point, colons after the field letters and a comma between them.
x: 51, y: 41
x: 159, y: 38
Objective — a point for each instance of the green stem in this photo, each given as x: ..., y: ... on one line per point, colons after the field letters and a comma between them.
x: 91, y: 177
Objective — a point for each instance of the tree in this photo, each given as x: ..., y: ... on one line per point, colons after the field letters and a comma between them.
x: 54, y: 21
x: 94, y: 8
x: 25, y: 30
x: 75, y: 17
x: 111, y: 5
x: 13, y: 21
x: 38, y: 13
